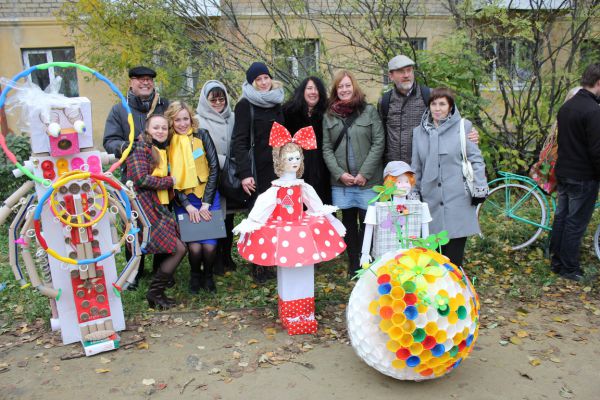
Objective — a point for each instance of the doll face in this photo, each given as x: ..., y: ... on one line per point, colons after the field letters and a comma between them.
x: 291, y: 161
x: 403, y: 185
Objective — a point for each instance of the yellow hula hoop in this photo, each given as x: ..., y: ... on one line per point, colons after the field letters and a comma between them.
x: 67, y: 179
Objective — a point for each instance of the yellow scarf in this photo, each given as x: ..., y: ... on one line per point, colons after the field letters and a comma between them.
x: 162, y: 170
x: 190, y: 174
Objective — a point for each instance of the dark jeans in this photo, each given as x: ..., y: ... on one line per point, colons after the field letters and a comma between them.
x: 353, y: 219
x: 455, y: 250
x: 576, y: 201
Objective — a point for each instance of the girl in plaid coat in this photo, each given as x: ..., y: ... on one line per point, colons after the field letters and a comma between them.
x: 147, y: 168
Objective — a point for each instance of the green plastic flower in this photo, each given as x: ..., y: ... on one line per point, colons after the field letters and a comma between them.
x: 421, y: 271
x: 441, y: 302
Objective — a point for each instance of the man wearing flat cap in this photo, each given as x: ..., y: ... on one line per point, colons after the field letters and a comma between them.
x: 143, y: 101
x: 401, y: 109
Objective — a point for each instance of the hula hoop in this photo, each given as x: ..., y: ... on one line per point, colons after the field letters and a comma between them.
x: 10, y: 155
x: 79, y: 176
x: 40, y: 206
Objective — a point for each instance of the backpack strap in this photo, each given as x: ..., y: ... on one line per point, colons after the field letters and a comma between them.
x: 425, y: 94
x: 384, y: 108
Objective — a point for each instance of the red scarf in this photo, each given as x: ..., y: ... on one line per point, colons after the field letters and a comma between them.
x: 343, y: 108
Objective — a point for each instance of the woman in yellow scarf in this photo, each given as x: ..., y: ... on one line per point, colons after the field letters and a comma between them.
x: 195, y: 167
x: 148, y: 170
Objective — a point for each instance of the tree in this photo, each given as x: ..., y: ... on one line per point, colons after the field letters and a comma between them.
x: 510, y: 62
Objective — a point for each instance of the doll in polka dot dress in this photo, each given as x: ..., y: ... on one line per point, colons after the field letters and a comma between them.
x: 280, y: 232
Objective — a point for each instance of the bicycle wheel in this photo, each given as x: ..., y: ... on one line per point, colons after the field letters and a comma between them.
x: 597, y: 242
x: 512, y: 215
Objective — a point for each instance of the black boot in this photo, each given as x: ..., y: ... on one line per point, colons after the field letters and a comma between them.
x: 209, y: 283
x: 196, y: 281
x: 157, y: 259
x: 156, y: 293
x: 353, y: 264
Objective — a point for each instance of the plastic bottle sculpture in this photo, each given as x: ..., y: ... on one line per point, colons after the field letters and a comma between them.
x: 68, y: 228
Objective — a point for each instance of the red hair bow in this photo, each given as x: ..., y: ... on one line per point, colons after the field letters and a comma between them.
x: 305, y: 137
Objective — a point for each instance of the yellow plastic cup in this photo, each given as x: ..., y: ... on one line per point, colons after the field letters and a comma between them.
x: 425, y: 356
x: 406, y: 340
x: 399, y: 364
x: 374, y: 308
x: 385, y: 300
x: 392, y: 346
x: 453, y: 304
x: 440, y: 336
x: 431, y: 328
x: 452, y: 318
x: 409, y: 326
x: 416, y: 348
x: 457, y: 338
x: 397, y: 293
x: 385, y: 325
x: 398, y: 305
x: 398, y: 319
x: 422, y: 308
x: 460, y: 299
x: 395, y: 333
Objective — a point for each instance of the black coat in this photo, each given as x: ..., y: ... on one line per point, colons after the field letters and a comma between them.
x: 116, y: 129
x: 263, y: 154
x: 316, y: 173
x: 579, y: 138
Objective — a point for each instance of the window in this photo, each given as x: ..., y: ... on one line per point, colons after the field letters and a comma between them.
x: 295, y: 59
x: 406, y: 47
x: 42, y: 78
x: 507, y: 56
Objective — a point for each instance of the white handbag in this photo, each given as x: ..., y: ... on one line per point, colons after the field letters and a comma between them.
x: 467, y: 168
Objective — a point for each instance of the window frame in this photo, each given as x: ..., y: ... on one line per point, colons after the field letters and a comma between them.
x: 25, y: 52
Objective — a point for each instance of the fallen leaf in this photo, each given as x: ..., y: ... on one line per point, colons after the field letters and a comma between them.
x: 236, y: 355
x: 270, y: 331
x: 566, y: 392
x: 522, y: 334
x: 148, y: 382
x: 555, y: 359
x: 252, y: 341
x: 143, y: 346
x: 104, y: 360
x: 214, y: 371
x: 535, y: 362
x: 155, y: 335
x: 161, y: 386
x: 102, y: 370
x: 515, y: 340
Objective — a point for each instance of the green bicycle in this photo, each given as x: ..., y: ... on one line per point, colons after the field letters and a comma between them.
x: 517, y: 211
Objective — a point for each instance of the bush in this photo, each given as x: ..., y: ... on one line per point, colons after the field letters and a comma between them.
x: 21, y: 148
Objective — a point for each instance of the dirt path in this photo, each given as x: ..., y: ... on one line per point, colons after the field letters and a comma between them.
x: 544, y: 350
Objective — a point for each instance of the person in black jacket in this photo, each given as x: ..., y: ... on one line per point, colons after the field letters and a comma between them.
x: 144, y: 101
x: 306, y: 108
x: 577, y: 173
x: 195, y: 167
x: 258, y: 108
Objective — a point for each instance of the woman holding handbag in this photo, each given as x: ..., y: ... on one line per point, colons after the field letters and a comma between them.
x: 450, y: 183
x: 255, y: 113
x: 215, y: 115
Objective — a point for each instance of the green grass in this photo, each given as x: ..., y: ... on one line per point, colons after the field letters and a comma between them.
x: 521, y: 274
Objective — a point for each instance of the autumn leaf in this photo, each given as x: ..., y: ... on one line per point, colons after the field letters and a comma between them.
x: 102, y: 370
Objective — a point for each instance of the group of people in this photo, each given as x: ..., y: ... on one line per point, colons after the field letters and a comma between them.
x: 178, y: 156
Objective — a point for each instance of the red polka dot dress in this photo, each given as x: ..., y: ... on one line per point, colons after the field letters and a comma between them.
x: 290, y: 236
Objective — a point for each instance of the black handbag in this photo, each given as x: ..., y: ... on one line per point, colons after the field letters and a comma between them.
x: 230, y: 185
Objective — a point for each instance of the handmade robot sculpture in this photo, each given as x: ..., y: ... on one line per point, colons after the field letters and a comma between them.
x: 68, y: 228
x: 279, y: 232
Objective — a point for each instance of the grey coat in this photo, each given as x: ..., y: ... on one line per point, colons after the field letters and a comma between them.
x: 447, y: 196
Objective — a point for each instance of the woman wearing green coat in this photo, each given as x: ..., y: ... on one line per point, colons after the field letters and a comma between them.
x: 353, y: 145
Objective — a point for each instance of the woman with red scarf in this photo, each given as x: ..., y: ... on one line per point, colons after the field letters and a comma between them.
x: 353, y: 145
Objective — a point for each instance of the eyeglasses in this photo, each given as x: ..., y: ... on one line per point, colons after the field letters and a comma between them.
x: 216, y: 100
x: 143, y: 78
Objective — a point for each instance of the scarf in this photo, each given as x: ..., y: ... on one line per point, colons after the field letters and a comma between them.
x: 160, y: 171
x: 191, y: 173
x: 343, y: 108
x: 267, y: 99
x: 146, y: 106
x: 431, y: 171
